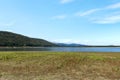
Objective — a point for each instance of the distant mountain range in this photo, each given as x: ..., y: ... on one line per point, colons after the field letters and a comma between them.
x: 70, y: 45
x: 9, y: 39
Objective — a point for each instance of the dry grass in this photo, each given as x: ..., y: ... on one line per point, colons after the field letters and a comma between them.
x: 59, y: 66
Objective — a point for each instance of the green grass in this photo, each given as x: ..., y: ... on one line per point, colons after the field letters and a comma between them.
x: 59, y: 66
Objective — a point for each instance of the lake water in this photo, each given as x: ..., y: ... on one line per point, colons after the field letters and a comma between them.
x: 66, y: 49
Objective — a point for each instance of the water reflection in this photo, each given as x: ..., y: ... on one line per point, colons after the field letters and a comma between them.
x: 66, y: 49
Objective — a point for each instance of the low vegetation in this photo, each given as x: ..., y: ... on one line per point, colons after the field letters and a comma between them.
x: 59, y: 66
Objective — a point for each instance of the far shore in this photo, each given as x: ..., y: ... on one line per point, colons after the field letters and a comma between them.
x: 50, y: 46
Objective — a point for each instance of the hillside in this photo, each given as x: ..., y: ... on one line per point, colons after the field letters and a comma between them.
x: 12, y: 39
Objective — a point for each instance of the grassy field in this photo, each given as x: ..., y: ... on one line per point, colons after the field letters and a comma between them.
x: 59, y: 66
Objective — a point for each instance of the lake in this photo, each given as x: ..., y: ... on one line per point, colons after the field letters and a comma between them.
x: 66, y: 49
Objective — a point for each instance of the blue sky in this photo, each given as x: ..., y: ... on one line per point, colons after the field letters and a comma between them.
x: 94, y: 22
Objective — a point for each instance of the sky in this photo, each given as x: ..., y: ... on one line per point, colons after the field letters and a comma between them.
x: 92, y: 22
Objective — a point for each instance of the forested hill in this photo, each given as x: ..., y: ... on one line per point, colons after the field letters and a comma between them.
x: 9, y: 39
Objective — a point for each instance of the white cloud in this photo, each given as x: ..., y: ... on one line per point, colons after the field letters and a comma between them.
x: 59, y: 17
x: 114, y: 18
x: 65, y: 1
x: 91, y: 11
x: 111, y: 18
x: 87, y: 12
x: 108, y: 20
x: 113, y: 6
x: 104, y: 18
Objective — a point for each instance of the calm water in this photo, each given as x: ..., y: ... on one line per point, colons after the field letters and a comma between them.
x: 66, y: 49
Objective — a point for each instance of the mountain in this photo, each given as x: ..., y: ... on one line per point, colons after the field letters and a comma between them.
x: 70, y: 45
x: 9, y: 39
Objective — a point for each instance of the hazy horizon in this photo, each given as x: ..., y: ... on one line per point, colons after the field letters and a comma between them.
x: 66, y: 21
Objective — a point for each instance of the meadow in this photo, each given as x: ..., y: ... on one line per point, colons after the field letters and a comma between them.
x: 59, y: 66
